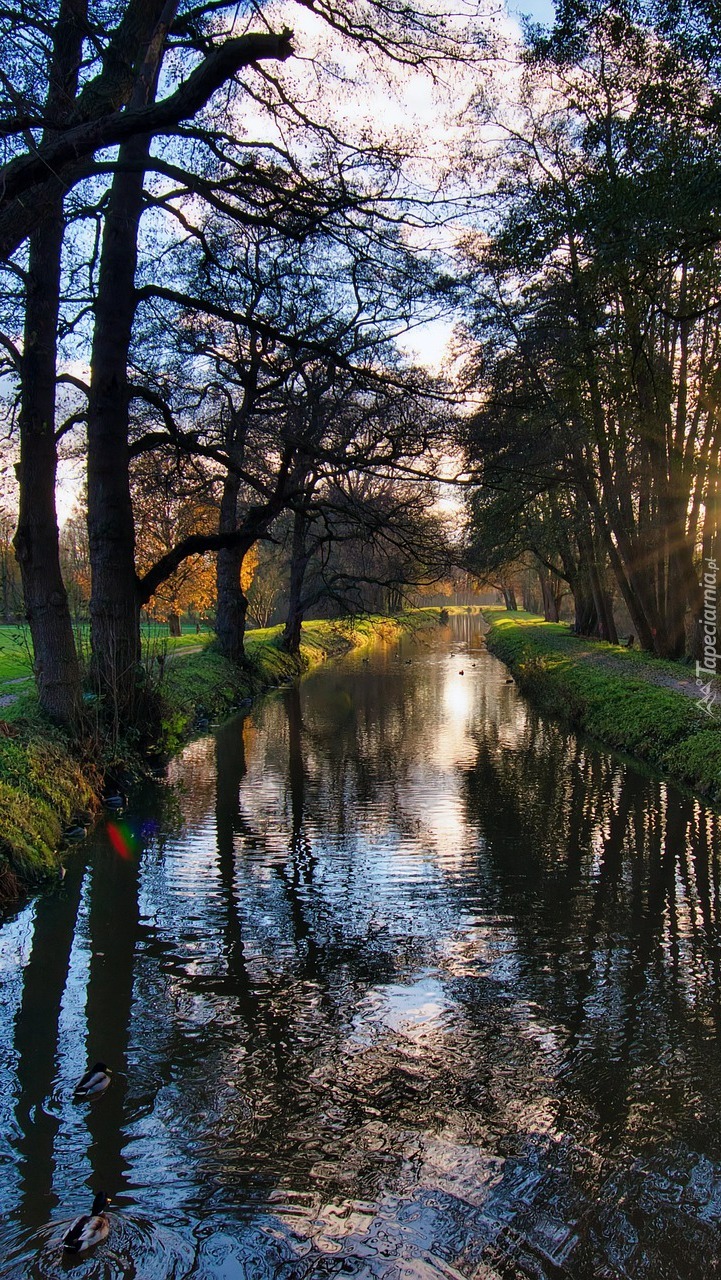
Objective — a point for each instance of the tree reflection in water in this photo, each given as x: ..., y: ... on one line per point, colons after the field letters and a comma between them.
x: 423, y: 987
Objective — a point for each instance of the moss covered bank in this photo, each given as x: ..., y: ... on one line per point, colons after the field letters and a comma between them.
x: 648, y: 708
x: 48, y: 787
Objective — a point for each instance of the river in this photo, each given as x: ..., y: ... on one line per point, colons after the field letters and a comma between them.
x: 397, y: 980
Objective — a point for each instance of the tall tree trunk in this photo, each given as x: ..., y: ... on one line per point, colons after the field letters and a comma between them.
x: 670, y: 489
x: 5, y: 587
x: 298, y: 565
x: 604, y: 607
x: 549, y: 594
x: 616, y: 523
x: 618, y: 565
x: 598, y: 570
x: 592, y: 568
x: 114, y: 601
x: 684, y: 591
x: 585, y: 619
x: 232, y: 604
x: 57, y: 671
x: 56, y: 666
x: 394, y: 599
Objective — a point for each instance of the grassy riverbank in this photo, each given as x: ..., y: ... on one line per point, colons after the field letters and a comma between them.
x: 206, y: 686
x: 626, y: 699
x: 16, y: 650
x: 45, y: 784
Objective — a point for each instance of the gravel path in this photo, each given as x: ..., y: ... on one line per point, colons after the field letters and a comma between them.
x: 675, y: 676
x: 648, y: 672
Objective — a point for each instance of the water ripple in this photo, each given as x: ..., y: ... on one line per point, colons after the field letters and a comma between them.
x: 404, y: 982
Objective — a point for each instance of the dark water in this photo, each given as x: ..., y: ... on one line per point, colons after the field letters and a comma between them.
x: 397, y: 982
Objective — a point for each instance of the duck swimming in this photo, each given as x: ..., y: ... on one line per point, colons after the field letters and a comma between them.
x: 118, y: 800
x: 95, y: 1081
x: 90, y: 1228
x: 76, y: 832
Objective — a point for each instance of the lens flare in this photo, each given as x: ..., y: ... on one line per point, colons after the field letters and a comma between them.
x: 123, y: 839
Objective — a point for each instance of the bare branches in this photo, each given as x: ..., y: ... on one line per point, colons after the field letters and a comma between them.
x: 74, y: 145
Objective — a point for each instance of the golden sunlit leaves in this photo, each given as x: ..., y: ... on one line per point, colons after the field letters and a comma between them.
x: 248, y: 568
x: 169, y: 507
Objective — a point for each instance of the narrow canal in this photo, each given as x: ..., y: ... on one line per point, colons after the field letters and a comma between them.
x: 397, y: 980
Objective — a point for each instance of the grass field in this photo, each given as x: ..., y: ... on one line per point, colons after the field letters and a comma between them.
x: 16, y: 646
x: 15, y: 655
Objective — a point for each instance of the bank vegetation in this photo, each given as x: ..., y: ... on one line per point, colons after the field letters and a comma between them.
x: 652, y: 710
x: 52, y: 784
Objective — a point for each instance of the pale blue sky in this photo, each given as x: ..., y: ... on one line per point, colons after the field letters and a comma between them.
x: 539, y: 10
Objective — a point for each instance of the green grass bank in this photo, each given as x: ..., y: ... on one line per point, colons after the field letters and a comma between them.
x: 206, y: 686
x: 628, y: 700
x: 46, y: 784
x: 16, y: 649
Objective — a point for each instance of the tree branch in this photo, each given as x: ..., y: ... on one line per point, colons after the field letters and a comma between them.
x: 256, y: 521
x: 74, y: 144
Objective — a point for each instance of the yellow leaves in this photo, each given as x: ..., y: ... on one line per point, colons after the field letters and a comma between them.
x: 191, y: 589
x: 165, y: 516
x: 172, y: 502
x: 248, y: 568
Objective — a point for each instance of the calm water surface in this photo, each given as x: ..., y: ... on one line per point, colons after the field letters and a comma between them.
x: 397, y: 980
